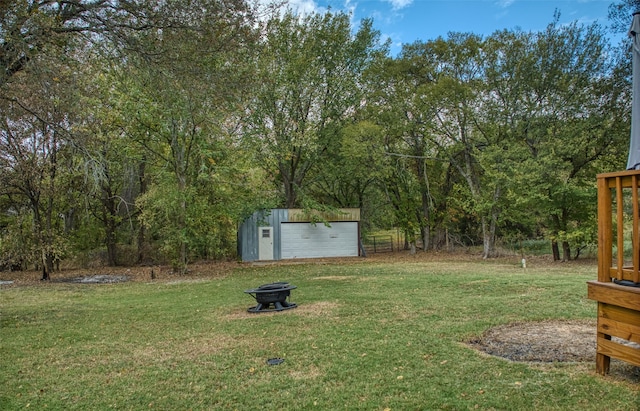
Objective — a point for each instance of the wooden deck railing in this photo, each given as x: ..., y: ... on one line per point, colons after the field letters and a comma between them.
x: 619, y: 219
x: 618, y: 305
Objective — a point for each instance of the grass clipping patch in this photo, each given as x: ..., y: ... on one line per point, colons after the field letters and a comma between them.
x: 548, y: 341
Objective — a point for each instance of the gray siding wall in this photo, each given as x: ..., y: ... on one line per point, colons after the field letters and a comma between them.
x: 248, y: 233
x: 305, y: 240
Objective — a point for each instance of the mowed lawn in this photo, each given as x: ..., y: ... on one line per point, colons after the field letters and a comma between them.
x: 368, y: 334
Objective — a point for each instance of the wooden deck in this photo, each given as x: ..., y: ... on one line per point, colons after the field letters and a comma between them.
x: 618, y: 259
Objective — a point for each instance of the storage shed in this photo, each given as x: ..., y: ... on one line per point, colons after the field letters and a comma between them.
x: 281, y: 234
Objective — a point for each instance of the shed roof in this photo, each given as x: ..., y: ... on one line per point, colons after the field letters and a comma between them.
x: 298, y: 215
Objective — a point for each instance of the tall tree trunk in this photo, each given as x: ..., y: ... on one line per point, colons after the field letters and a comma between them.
x: 142, y: 238
x: 109, y: 218
x: 566, y: 251
x: 425, y: 233
x: 290, y: 194
x: 45, y: 242
x: 489, y: 229
x: 288, y: 173
x: 180, y: 157
x: 425, y: 230
x: 440, y: 238
x: 110, y: 241
x: 555, y: 250
x: 488, y: 246
x: 46, y: 273
x: 47, y: 231
x: 182, y: 223
x: 558, y: 226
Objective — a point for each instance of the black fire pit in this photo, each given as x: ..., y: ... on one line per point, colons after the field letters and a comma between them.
x: 271, y: 297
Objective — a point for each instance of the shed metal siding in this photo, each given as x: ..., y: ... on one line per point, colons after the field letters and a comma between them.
x: 306, y: 240
x: 249, y: 231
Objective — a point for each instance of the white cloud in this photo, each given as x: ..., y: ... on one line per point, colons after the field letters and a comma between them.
x: 298, y: 7
x: 504, y: 3
x: 304, y: 7
x: 399, y: 4
x: 350, y: 7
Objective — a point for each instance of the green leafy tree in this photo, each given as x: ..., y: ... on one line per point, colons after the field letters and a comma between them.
x: 558, y: 112
x: 452, y: 81
x: 35, y: 142
x: 620, y: 14
x: 308, y: 70
x: 406, y: 108
x: 43, y: 45
x: 184, y: 109
x: 29, y: 28
x: 107, y: 166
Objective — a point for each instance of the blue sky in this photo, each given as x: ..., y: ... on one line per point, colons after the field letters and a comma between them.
x: 405, y: 21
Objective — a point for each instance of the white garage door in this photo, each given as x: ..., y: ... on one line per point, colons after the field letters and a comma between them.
x: 304, y: 240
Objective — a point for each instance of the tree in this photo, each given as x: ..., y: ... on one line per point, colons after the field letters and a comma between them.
x: 405, y: 105
x: 451, y: 78
x: 35, y: 141
x: 309, y: 70
x: 620, y: 14
x: 107, y: 166
x: 29, y: 28
x: 558, y: 112
x: 184, y: 107
x: 61, y: 33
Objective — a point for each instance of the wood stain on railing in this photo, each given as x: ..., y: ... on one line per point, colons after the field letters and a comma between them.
x: 618, y: 305
x: 625, y: 211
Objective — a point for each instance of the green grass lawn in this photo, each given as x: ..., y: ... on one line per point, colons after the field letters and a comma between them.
x: 368, y: 335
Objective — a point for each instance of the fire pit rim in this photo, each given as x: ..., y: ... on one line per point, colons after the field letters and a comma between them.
x: 273, y: 293
x: 271, y: 287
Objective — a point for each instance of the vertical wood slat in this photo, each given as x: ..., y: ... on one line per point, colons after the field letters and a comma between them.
x: 605, y: 229
x: 620, y: 225
x: 635, y: 235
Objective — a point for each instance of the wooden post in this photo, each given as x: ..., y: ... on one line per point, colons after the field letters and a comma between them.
x: 605, y: 242
x: 619, y: 226
x: 603, y: 362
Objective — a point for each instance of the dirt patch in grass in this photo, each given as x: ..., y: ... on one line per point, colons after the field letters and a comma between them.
x: 548, y: 341
x: 196, y: 272
x: 96, y: 279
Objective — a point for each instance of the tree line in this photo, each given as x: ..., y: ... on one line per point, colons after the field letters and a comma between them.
x: 144, y: 132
